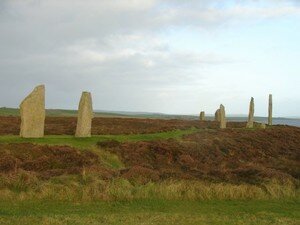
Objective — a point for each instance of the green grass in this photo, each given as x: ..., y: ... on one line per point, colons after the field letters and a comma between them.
x: 92, y: 141
x: 9, y: 111
x: 152, y: 212
x: 80, y: 199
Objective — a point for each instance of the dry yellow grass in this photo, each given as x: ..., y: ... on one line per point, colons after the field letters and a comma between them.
x: 89, y: 187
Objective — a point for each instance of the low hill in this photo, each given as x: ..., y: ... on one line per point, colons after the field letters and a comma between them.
x: 235, y: 155
x: 121, y: 114
x: 57, y: 113
x: 231, y: 155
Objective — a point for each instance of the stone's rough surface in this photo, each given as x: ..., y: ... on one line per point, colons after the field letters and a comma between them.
x: 222, y: 117
x: 32, y: 111
x: 262, y: 126
x: 217, y: 115
x: 85, y: 116
x: 251, y: 114
x: 202, y: 116
x: 270, y: 110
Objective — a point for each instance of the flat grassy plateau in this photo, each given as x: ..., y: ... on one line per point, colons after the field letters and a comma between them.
x: 143, y: 171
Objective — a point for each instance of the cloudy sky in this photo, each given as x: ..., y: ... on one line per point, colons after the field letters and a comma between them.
x: 169, y: 56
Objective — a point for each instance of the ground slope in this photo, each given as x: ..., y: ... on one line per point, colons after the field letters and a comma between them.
x: 231, y: 155
x: 192, y: 176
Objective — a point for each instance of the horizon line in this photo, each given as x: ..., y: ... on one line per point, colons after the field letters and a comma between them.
x: 122, y: 112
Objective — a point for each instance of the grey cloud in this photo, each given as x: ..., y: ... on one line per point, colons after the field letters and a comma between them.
x: 111, y: 47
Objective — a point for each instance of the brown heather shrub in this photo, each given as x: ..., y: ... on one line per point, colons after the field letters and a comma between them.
x: 105, y: 125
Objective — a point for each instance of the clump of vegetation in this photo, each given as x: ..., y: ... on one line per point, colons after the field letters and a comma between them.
x: 203, y: 165
x: 91, y: 187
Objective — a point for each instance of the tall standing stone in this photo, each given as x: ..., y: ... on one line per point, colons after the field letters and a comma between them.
x: 270, y: 122
x: 251, y: 114
x: 217, y: 115
x: 222, y: 117
x: 85, y: 116
x: 202, y: 116
x: 32, y: 111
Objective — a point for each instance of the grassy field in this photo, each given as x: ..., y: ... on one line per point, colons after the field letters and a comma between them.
x: 92, y: 141
x: 151, y: 212
x: 88, y: 198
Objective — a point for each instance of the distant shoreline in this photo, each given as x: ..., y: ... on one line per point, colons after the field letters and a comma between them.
x: 100, y: 113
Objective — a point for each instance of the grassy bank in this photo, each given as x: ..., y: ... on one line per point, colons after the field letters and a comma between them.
x: 151, y: 212
x: 90, y: 187
x: 92, y: 141
x: 101, y: 194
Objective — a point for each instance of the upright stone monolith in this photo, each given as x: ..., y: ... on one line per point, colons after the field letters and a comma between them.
x: 217, y: 115
x: 32, y: 112
x: 202, y: 116
x: 85, y: 116
x: 270, y: 122
x: 262, y: 126
x: 222, y: 117
x: 251, y: 114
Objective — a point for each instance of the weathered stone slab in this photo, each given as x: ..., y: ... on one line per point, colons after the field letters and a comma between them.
x: 251, y: 114
x: 32, y: 112
x: 270, y: 119
x: 222, y: 117
x: 202, y: 116
x: 85, y: 116
x: 217, y: 115
x: 262, y: 126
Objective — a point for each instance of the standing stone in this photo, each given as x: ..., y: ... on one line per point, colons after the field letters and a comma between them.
x: 222, y: 117
x: 270, y: 110
x: 251, y: 114
x: 202, y: 116
x: 32, y: 111
x: 217, y: 115
x: 262, y: 126
x: 85, y: 116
